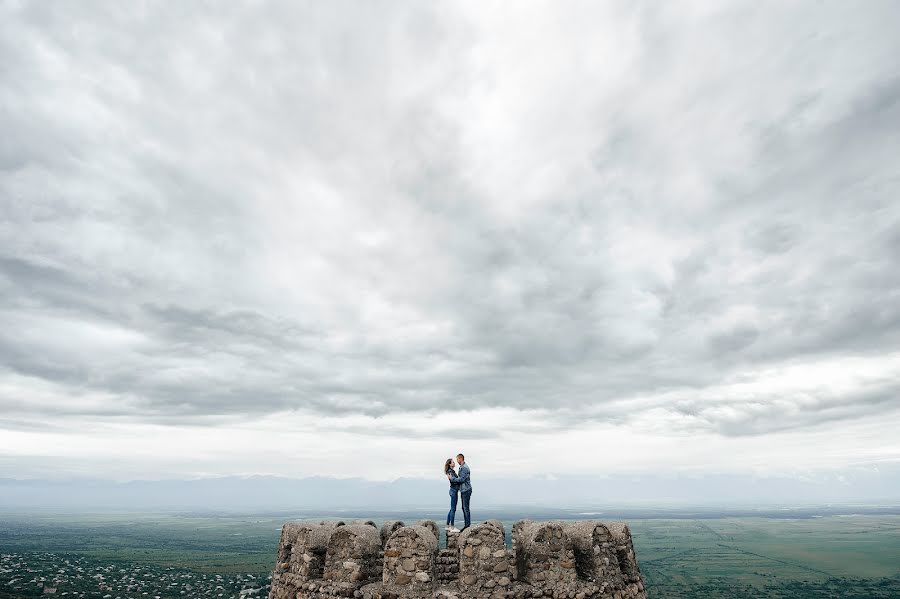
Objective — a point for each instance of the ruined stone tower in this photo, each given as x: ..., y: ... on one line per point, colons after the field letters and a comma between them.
x: 586, y: 559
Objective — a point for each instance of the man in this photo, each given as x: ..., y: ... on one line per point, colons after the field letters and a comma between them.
x: 465, y: 487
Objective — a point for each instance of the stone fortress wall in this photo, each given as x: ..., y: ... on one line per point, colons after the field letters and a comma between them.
x: 585, y: 559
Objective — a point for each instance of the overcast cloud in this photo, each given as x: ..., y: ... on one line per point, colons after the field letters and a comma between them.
x: 286, y: 237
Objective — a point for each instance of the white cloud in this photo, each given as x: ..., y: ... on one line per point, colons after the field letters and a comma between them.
x: 516, y: 228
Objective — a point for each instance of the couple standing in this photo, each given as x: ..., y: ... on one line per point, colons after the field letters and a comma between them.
x: 460, y: 484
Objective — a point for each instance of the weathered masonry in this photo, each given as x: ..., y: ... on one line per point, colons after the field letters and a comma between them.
x: 409, y: 559
x: 587, y: 559
x: 352, y: 554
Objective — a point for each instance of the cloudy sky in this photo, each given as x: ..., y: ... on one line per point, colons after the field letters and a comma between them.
x: 352, y: 239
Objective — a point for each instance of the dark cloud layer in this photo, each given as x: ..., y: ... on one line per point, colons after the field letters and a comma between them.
x: 368, y: 209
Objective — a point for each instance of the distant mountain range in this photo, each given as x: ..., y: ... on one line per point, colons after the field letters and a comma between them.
x: 318, y: 493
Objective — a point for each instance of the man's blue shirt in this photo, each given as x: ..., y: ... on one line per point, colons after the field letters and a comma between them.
x: 464, y: 478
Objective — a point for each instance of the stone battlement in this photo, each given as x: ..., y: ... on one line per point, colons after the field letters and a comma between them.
x: 585, y: 559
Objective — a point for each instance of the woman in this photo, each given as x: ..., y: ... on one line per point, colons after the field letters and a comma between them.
x: 454, y: 495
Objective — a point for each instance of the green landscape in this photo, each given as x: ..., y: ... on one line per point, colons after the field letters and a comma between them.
x: 230, y: 555
x: 835, y: 556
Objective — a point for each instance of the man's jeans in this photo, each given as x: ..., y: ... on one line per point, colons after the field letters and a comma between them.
x: 451, y: 515
x: 465, y: 506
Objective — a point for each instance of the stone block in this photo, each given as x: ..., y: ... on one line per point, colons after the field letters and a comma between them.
x: 624, y: 548
x: 595, y: 555
x: 482, y: 556
x: 541, y: 550
x: 415, y: 564
x: 388, y: 528
x: 432, y: 526
x: 352, y: 555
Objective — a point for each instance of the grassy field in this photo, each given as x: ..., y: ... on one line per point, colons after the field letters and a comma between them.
x: 205, y: 544
x: 762, y: 554
x: 831, y: 556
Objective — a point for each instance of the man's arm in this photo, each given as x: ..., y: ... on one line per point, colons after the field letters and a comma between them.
x: 463, y: 475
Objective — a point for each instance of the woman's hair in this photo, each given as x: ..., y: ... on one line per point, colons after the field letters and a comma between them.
x: 447, y: 465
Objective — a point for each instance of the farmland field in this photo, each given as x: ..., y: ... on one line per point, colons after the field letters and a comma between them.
x: 761, y: 557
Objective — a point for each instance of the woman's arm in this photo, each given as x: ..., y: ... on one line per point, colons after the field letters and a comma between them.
x: 460, y: 479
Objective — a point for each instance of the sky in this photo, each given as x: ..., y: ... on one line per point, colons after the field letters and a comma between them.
x: 355, y: 238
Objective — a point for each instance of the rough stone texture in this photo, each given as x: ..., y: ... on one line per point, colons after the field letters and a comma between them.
x: 284, y: 585
x: 301, y: 556
x: 516, y: 532
x: 286, y: 545
x: 432, y: 526
x: 311, y: 544
x: 595, y: 553
x: 447, y: 566
x: 409, y: 559
x: 475, y: 565
x: 452, y: 539
x: 483, y: 560
x: 499, y: 526
x: 544, y: 554
x: 621, y: 536
x: 352, y: 555
x: 388, y: 528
